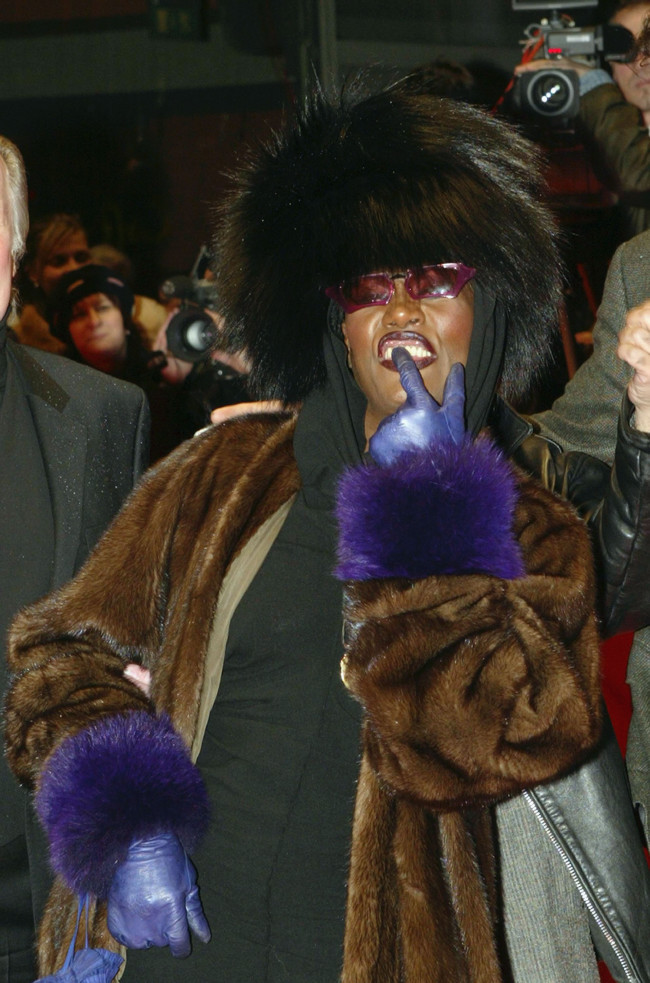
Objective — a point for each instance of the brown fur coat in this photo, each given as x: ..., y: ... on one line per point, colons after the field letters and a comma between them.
x: 487, y: 687
x: 474, y: 688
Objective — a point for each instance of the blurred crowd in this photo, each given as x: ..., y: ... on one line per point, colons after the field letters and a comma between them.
x: 79, y: 300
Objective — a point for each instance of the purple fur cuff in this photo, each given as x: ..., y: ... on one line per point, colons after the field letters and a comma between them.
x: 444, y: 510
x: 127, y: 776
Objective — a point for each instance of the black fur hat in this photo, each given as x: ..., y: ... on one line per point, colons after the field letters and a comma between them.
x: 383, y: 182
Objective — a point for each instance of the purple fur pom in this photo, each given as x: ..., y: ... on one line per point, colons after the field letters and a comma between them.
x: 127, y: 776
x: 445, y: 510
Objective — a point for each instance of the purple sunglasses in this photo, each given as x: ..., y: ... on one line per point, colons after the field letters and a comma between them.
x: 376, y: 289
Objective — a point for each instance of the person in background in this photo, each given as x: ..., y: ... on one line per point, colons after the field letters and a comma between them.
x: 468, y: 663
x: 614, y: 118
x: 92, y: 316
x: 56, y: 245
x: 148, y: 315
x: 73, y: 443
x: 217, y: 379
x: 607, y: 403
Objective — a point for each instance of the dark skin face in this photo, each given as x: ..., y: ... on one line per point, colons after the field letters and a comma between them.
x: 436, y: 332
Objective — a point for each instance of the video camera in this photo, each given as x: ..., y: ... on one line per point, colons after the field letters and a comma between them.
x: 553, y: 95
x: 191, y: 332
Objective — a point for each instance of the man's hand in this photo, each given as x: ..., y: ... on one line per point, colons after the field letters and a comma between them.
x: 564, y: 64
x: 420, y: 421
x: 634, y: 348
x: 154, y: 900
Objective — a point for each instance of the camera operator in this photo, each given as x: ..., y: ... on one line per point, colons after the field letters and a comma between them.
x: 213, y: 378
x: 614, y: 119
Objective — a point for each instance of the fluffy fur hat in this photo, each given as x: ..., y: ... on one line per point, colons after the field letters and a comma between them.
x: 382, y: 182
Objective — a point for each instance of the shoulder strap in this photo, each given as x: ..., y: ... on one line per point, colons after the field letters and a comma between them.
x: 237, y: 580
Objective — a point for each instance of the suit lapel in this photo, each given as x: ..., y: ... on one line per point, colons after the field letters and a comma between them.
x: 63, y: 444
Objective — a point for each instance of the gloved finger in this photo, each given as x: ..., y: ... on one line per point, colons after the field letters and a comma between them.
x: 195, y: 916
x: 417, y: 393
x: 177, y: 935
x: 453, y: 394
x: 129, y: 930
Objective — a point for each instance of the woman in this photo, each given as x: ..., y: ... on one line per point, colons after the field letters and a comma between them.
x: 92, y: 316
x: 470, y: 643
x: 92, y: 308
x: 56, y: 245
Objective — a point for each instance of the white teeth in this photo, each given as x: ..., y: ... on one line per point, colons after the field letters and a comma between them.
x: 414, y: 350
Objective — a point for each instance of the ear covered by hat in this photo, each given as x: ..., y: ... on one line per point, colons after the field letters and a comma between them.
x: 382, y: 182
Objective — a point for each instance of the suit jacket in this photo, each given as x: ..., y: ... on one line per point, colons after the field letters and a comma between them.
x: 585, y: 418
x: 94, y: 435
x: 94, y: 432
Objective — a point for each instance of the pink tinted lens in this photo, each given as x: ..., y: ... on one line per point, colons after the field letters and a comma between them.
x: 364, y: 291
x: 434, y: 281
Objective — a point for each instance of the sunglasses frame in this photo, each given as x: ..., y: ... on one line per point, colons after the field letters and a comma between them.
x: 465, y: 274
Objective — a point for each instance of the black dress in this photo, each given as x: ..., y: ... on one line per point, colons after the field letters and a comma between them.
x: 281, y: 751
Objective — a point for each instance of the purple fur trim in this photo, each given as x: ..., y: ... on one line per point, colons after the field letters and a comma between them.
x: 446, y: 510
x: 127, y: 776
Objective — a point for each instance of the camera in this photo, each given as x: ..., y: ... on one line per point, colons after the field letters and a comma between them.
x: 553, y: 94
x: 191, y: 332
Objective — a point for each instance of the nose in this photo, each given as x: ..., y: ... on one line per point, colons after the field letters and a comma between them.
x: 643, y: 61
x: 402, y: 309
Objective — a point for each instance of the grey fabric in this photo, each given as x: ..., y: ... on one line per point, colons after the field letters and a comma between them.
x: 587, y: 817
x: 546, y: 924
x: 585, y: 418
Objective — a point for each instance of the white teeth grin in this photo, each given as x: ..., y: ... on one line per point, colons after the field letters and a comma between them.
x: 415, y: 351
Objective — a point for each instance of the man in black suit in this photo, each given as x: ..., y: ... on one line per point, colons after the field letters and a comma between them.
x: 73, y: 442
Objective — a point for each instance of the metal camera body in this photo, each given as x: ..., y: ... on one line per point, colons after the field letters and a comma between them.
x: 553, y: 94
x: 191, y: 332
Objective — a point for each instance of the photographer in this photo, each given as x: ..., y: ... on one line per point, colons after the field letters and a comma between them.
x: 205, y: 379
x: 613, y: 119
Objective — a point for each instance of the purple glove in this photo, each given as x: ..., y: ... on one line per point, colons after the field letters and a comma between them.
x: 153, y: 898
x: 420, y: 422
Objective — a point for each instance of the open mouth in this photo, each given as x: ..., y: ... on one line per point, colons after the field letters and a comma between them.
x: 415, y: 344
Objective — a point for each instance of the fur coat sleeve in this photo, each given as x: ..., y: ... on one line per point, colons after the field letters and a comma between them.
x: 480, y: 674
x: 472, y: 645
x: 77, y: 731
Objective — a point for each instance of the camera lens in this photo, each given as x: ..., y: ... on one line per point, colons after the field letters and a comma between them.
x: 191, y: 333
x: 552, y: 93
x: 199, y: 335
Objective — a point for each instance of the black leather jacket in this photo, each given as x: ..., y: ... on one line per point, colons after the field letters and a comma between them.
x: 588, y: 814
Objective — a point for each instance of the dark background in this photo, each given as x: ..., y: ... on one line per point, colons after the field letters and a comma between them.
x: 131, y: 113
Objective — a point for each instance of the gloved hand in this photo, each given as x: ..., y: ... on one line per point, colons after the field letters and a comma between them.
x: 420, y: 421
x: 153, y: 898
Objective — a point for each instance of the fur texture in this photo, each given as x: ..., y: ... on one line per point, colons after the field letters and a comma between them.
x: 146, y: 595
x: 473, y: 687
x: 382, y: 183
x: 128, y: 776
x: 459, y: 517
